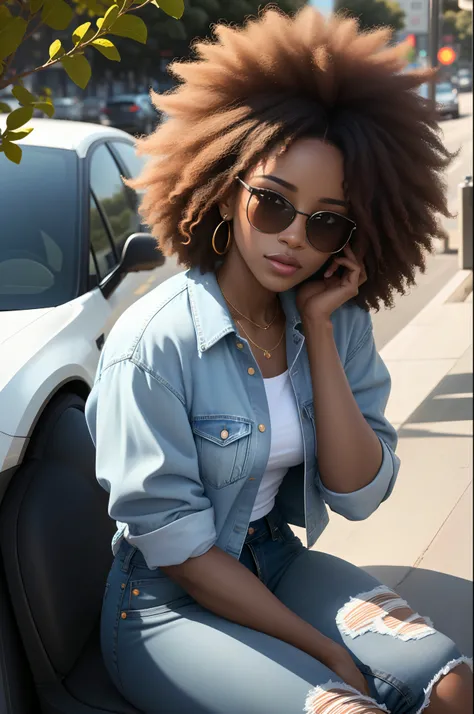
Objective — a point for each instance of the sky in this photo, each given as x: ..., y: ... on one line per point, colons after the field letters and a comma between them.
x: 324, y: 6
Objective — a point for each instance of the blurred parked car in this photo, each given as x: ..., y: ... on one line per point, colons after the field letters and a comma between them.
x: 67, y: 108
x: 73, y: 257
x: 446, y: 99
x: 464, y: 80
x: 133, y: 113
x: 7, y: 98
x: 92, y: 108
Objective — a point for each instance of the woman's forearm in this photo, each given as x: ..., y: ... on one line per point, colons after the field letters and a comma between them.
x: 349, y: 451
x: 221, y: 584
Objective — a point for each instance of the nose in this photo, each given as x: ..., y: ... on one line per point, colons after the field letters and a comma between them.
x: 295, y: 235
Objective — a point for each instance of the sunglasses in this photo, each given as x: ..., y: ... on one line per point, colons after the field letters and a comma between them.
x: 270, y: 212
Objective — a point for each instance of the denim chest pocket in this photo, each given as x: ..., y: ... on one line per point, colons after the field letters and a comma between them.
x: 223, y: 446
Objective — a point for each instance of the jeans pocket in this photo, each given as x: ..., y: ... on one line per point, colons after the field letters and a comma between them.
x: 149, y: 596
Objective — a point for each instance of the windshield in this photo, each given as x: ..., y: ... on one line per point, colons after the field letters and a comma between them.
x: 444, y: 88
x: 38, y: 229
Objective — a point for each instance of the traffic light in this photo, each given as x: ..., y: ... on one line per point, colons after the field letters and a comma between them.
x: 446, y: 55
x: 411, y: 40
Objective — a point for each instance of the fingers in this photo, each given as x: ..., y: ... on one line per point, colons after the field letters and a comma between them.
x: 357, y: 273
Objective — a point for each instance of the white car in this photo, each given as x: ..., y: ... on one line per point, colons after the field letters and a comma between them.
x: 73, y: 257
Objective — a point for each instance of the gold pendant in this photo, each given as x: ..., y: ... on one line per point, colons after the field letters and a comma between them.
x: 267, y: 354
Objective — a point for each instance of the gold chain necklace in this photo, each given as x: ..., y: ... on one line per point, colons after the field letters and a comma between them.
x: 266, y: 353
x: 260, y: 327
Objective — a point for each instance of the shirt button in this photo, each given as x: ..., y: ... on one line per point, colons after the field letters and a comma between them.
x: 251, y: 371
x: 239, y: 346
x: 261, y: 427
x: 224, y: 434
x: 251, y: 530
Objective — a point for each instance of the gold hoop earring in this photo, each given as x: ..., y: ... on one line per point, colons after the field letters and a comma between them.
x: 229, y: 238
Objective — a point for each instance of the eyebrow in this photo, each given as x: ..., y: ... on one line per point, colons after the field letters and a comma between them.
x: 279, y: 181
x: 292, y: 187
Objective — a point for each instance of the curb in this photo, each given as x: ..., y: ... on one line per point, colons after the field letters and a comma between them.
x: 423, y: 353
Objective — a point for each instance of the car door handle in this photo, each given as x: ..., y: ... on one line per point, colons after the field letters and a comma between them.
x: 100, y: 341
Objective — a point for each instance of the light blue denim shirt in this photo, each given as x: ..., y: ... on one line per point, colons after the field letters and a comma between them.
x: 180, y: 420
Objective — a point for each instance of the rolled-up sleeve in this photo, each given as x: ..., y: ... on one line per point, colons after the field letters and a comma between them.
x: 370, y: 383
x: 146, y: 459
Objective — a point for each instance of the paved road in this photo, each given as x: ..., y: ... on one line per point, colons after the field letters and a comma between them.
x: 441, y: 266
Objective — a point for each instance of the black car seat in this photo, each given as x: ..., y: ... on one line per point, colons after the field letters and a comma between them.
x: 55, y: 538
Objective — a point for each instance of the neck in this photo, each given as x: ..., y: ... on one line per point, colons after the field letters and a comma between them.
x: 239, y: 285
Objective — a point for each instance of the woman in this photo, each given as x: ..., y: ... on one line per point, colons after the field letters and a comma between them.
x: 298, y: 177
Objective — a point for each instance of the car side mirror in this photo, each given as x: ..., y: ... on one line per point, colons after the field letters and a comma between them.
x: 140, y: 252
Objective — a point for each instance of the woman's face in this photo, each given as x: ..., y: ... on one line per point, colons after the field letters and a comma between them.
x: 310, y: 174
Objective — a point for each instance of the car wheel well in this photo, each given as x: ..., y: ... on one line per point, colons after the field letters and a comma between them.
x: 74, y: 392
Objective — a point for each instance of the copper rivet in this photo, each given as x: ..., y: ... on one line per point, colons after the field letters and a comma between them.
x: 239, y: 346
x: 123, y: 615
x: 135, y: 591
x: 251, y: 371
x: 261, y: 427
x: 251, y: 531
x: 224, y: 434
x: 123, y: 586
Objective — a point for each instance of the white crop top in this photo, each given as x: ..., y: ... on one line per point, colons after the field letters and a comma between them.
x: 286, y: 446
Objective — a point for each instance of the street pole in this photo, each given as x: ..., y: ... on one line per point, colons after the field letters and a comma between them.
x: 433, y: 44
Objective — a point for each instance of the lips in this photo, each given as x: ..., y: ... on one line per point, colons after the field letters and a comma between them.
x: 285, y: 259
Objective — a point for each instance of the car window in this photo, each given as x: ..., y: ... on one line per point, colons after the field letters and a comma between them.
x: 39, y: 237
x: 100, y: 243
x: 117, y: 202
x: 133, y: 163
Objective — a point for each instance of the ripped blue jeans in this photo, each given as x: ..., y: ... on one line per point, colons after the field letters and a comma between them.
x: 166, y: 654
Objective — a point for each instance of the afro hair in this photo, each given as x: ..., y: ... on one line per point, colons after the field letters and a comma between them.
x: 253, y: 89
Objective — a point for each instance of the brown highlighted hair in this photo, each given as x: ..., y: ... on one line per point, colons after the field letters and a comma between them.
x: 254, y: 89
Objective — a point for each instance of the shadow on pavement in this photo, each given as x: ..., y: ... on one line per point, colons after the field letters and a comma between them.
x: 446, y: 599
x: 450, y: 401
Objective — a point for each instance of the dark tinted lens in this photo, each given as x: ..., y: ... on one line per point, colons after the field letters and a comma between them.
x: 269, y: 212
x: 328, y: 231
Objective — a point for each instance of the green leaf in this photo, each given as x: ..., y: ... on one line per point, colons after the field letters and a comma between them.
x: 5, y: 15
x: 173, y: 8
x: 55, y: 49
x: 19, y: 117
x: 107, y: 48
x: 23, y: 95
x: 4, y: 108
x: 78, y: 69
x: 130, y: 26
x: 12, y: 151
x: 80, y: 33
x: 57, y: 14
x: 45, y: 107
x: 11, y: 35
x: 109, y: 18
x: 35, y: 6
x: 17, y: 135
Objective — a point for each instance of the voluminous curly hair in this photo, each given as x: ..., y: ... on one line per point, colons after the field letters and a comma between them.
x: 254, y: 89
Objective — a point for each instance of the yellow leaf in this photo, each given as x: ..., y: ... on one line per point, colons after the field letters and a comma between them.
x: 17, y: 135
x: 80, y: 33
x: 4, y: 108
x: 19, y: 117
x: 55, y: 49
x: 109, y: 18
x: 173, y: 8
x: 45, y: 107
x: 12, y: 151
x: 130, y: 26
x: 107, y: 48
x: 78, y: 69
x: 57, y: 14
x: 23, y: 95
x: 35, y: 6
x: 11, y: 35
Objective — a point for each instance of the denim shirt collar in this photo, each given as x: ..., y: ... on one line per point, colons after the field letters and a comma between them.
x: 211, y: 317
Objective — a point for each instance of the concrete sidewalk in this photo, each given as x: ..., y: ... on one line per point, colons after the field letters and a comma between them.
x: 420, y: 541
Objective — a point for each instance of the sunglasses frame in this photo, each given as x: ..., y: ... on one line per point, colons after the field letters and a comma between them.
x: 253, y: 189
